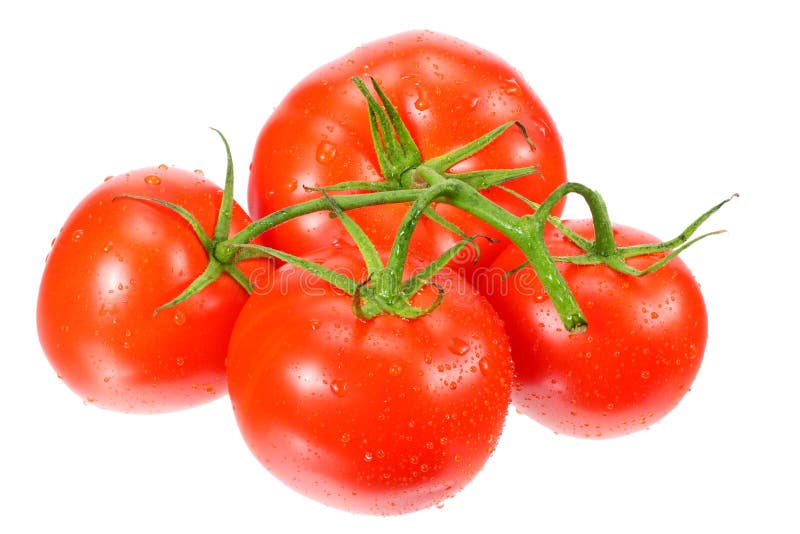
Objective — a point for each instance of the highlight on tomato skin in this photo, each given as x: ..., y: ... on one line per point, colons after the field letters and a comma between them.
x: 385, y: 416
x: 635, y: 362
x: 448, y: 92
x: 114, y: 262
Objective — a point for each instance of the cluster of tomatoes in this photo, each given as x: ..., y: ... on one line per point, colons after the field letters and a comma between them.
x: 388, y: 414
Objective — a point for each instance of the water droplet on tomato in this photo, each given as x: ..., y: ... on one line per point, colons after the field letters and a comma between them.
x: 107, y: 178
x: 421, y: 103
x: 208, y: 388
x: 179, y: 317
x: 396, y: 369
x: 368, y: 456
x: 345, y: 438
x: 439, y: 505
x: 106, y: 379
x: 163, y: 166
x: 484, y: 366
x: 511, y: 87
x: 179, y: 362
x: 291, y: 185
x: 152, y: 179
x: 458, y: 346
x: 108, y: 246
x: 428, y: 358
x: 339, y: 387
x: 326, y: 151
x: 77, y: 235
x: 314, y: 324
x: 645, y: 374
x: 199, y: 172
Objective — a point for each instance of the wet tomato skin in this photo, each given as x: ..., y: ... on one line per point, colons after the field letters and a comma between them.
x: 638, y: 357
x: 384, y: 416
x: 112, y: 264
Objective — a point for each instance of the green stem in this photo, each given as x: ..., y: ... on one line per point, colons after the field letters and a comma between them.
x: 368, y: 251
x: 453, y: 191
x: 226, y: 250
x: 341, y: 281
x: 545, y: 267
x: 399, y: 253
x: 467, y: 198
x: 603, y: 244
x: 223, y: 226
x: 527, y: 233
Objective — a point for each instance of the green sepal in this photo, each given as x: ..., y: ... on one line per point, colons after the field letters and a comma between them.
x: 481, y: 180
x: 423, y: 278
x: 223, y: 226
x: 395, y: 148
x: 348, y: 285
x: 183, y: 212
x: 371, y: 257
x: 444, y: 162
x: 575, y: 237
x: 211, y: 273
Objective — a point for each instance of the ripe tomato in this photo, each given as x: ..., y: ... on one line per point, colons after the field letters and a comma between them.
x: 383, y: 416
x: 448, y: 92
x: 113, y: 263
x: 634, y: 363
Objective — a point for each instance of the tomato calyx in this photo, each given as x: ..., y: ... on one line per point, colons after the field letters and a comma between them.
x: 603, y: 249
x: 218, y: 264
x: 399, y: 156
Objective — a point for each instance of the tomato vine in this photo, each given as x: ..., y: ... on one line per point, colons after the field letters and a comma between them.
x: 409, y: 179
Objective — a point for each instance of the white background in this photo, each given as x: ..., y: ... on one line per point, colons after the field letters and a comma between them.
x: 665, y: 109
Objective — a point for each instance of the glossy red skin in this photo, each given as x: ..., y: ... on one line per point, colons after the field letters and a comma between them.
x: 380, y: 417
x: 448, y: 93
x: 113, y: 263
x: 638, y: 357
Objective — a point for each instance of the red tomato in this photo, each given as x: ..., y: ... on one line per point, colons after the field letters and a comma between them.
x: 634, y: 363
x: 383, y: 416
x: 113, y: 263
x: 448, y: 92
